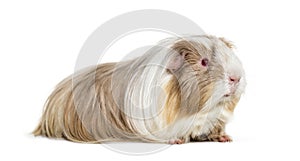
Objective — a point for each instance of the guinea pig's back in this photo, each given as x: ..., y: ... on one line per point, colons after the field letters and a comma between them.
x: 83, y: 104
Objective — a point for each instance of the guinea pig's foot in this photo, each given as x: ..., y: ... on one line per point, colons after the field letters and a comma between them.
x: 224, y: 138
x: 176, y: 141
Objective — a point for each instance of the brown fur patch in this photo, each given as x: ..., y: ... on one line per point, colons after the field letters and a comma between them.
x: 171, y: 108
x: 206, y: 92
x: 230, y: 106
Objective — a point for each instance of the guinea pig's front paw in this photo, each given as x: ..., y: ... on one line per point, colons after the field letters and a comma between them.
x: 219, y: 138
x: 176, y: 141
x: 224, y: 138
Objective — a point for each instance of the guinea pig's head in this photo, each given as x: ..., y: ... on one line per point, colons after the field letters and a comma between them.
x: 208, y: 64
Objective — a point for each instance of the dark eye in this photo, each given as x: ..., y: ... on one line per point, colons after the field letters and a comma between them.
x: 204, y: 62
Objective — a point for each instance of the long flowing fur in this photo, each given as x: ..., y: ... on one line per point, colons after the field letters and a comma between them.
x: 152, y: 98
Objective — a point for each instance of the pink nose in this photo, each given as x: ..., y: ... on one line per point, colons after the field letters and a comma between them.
x: 234, y: 79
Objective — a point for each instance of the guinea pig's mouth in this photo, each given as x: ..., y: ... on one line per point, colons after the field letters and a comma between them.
x: 231, y: 92
x: 227, y: 95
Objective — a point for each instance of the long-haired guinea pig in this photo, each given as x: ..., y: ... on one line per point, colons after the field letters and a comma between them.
x: 180, y: 90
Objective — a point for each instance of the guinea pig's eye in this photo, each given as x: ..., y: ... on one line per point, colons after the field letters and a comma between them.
x: 204, y: 62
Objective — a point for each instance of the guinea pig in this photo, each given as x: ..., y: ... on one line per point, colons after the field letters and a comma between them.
x: 183, y: 89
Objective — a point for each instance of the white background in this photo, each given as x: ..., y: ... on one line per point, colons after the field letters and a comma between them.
x: 39, y: 43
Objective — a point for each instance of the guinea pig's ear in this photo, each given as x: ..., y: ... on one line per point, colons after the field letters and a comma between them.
x: 179, y: 51
x: 227, y: 42
x: 175, y: 62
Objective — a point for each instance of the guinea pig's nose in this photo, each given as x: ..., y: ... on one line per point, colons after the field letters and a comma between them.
x: 234, y: 79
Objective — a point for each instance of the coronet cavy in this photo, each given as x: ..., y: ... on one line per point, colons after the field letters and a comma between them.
x: 182, y: 89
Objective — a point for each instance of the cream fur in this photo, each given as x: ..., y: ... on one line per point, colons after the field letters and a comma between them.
x: 153, y: 98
